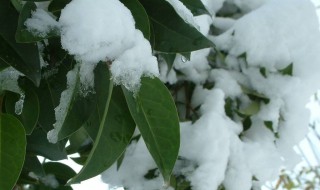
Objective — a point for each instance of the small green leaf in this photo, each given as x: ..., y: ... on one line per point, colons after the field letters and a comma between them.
x: 156, y: 116
x: 61, y: 171
x: 196, y: 7
x: 140, y: 16
x: 12, y: 150
x: 246, y: 123
x: 38, y: 144
x: 169, y: 59
x: 288, y: 70
x: 30, y: 111
x: 171, y: 33
x: 116, y: 126
x: 263, y: 72
x: 23, y: 35
x: 23, y: 57
x: 269, y: 125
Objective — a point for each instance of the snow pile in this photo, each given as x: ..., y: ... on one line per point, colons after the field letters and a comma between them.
x: 254, y: 112
x: 104, y: 30
x: 41, y: 23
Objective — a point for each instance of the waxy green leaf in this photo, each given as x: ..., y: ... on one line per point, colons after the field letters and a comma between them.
x: 23, y: 57
x: 38, y: 144
x: 155, y: 114
x: 116, y: 126
x: 79, y: 108
x: 12, y: 150
x: 171, y: 33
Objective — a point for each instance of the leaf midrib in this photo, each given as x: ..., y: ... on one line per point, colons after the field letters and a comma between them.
x: 153, y: 136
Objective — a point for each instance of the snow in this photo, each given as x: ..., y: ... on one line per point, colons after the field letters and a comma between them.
x: 104, y: 30
x: 50, y: 181
x: 62, y: 109
x: 253, y: 48
x: 139, y: 64
x: 183, y: 12
x: 9, y: 81
x: 215, y: 149
x: 41, y: 23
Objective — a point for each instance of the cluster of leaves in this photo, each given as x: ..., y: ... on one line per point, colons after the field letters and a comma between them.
x: 98, y: 126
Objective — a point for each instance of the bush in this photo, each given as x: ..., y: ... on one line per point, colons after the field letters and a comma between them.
x: 183, y: 94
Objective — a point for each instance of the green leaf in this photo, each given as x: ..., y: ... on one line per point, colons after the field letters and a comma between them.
x: 186, y: 56
x: 12, y: 150
x: 78, y: 110
x: 77, y: 140
x: 156, y: 116
x: 49, y: 93
x: 288, y: 70
x: 169, y: 59
x: 31, y: 164
x: 23, y: 57
x: 61, y: 171
x: 23, y: 35
x: 246, y: 123
x: 30, y: 111
x: 140, y: 16
x: 57, y: 5
x: 196, y: 7
x: 116, y: 126
x: 38, y: 144
x: 17, y: 4
x: 171, y: 33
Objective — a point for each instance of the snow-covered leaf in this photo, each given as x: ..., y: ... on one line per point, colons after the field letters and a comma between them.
x: 78, y: 108
x: 171, y: 33
x: 116, y: 126
x: 23, y: 57
x: 12, y: 150
x: 156, y: 116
